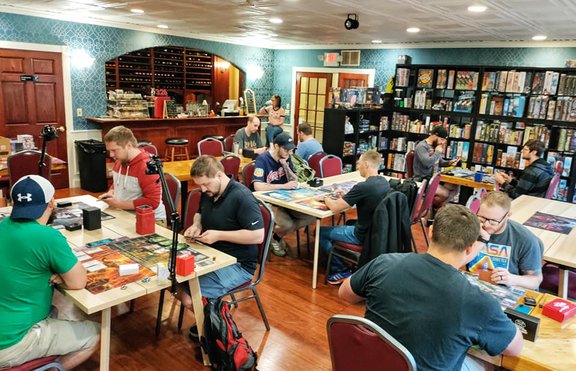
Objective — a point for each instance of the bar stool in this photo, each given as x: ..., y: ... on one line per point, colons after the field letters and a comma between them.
x: 176, y: 149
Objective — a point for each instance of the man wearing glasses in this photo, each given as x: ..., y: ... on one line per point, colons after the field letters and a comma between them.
x: 523, y: 248
x: 535, y: 178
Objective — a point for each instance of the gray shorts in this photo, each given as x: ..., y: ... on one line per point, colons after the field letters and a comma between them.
x: 51, y: 337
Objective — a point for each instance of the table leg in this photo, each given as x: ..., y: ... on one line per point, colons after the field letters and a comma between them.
x: 196, y: 296
x: 316, y: 251
x: 105, y: 339
x: 183, y: 199
x: 563, y: 283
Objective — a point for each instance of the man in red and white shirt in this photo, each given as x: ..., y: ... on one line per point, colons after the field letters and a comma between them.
x: 131, y: 186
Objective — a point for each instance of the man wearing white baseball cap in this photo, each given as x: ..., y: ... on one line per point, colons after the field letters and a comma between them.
x: 34, y: 258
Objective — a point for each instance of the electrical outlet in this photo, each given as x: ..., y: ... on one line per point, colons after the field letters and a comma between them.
x: 79, y: 112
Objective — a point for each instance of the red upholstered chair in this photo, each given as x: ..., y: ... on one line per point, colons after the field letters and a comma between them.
x: 175, y: 190
x: 330, y: 165
x: 427, y: 204
x: 248, y: 174
x: 348, y: 252
x: 148, y: 147
x: 410, y: 164
x: 552, y: 186
x: 314, y: 162
x: 228, y: 142
x: 231, y: 165
x: 26, y: 163
x: 40, y: 364
x: 418, y: 203
x: 192, y: 205
x: 473, y: 203
x: 482, y: 192
x: 210, y: 146
x: 357, y: 343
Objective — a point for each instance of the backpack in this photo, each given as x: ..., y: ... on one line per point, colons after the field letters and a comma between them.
x: 409, y: 188
x: 223, y: 342
x: 304, y: 172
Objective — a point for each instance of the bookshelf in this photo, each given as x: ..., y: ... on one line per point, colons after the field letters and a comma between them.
x: 490, y: 112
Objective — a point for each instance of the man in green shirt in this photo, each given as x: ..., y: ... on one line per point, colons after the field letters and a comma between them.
x: 34, y: 258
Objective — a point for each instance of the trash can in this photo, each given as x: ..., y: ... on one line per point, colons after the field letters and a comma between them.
x: 92, y: 164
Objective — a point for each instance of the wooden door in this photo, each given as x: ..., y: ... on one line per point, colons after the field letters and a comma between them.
x: 312, y: 96
x: 352, y: 80
x: 26, y: 106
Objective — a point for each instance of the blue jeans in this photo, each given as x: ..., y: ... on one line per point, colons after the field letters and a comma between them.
x: 271, y: 132
x: 217, y: 283
x: 343, y: 233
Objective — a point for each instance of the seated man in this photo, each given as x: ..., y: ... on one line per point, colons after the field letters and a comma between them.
x: 131, y: 186
x: 399, y: 288
x: 366, y: 196
x: 307, y: 144
x: 249, y: 136
x: 524, y: 248
x: 229, y: 220
x: 273, y: 170
x: 535, y: 178
x: 428, y: 158
x: 43, y: 258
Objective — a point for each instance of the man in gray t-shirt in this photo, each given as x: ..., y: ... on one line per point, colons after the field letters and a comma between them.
x: 511, y: 240
x: 249, y: 136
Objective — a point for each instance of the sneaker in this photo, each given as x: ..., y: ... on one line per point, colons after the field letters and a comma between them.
x: 193, y: 333
x: 278, y: 247
x: 338, y: 278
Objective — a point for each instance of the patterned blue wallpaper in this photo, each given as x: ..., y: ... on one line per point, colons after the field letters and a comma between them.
x: 104, y: 43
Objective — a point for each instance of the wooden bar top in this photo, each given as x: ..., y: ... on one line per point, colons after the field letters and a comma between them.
x: 154, y: 121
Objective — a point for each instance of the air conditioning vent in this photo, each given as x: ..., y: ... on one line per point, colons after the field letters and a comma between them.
x: 350, y: 58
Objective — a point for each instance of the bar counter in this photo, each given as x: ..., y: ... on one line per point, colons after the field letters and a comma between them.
x: 157, y: 130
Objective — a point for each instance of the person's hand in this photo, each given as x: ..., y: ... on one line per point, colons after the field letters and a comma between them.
x: 209, y: 237
x: 293, y: 184
x: 192, y: 232
x: 56, y: 279
x: 106, y: 195
x: 501, y: 178
x: 454, y: 161
x: 112, y: 201
x: 439, y: 148
x: 283, y: 162
x: 501, y: 276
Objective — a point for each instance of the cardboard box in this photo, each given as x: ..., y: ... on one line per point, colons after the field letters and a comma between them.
x: 559, y: 310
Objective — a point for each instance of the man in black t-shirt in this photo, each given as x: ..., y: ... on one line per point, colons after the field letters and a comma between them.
x: 229, y: 220
x: 366, y: 196
x: 427, y: 304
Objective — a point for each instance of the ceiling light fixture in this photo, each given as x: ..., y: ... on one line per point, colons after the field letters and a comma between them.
x: 351, y: 23
x: 137, y: 11
x: 413, y: 30
x: 276, y: 20
x: 477, y: 8
x: 162, y: 26
x: 376, y: 41
x: 539, y: 37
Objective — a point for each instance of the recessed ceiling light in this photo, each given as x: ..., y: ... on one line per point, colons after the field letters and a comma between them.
x: 162, y: 26
x: 275, y: 20
x: 376, y: 41
x: 413, y: 30
x: 477, y: 8
x: 137, y: 11
x: 539, y: 37
x: 273, y: 34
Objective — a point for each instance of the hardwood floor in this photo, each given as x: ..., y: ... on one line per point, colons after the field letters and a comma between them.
x: 297, y: 316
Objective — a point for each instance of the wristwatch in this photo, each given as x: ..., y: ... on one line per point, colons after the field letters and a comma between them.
x: 482, y: 239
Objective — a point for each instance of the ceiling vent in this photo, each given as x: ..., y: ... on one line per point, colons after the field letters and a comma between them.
x: 350, y: 58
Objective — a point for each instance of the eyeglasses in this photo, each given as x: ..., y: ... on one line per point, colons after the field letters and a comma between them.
x: 493, y: 222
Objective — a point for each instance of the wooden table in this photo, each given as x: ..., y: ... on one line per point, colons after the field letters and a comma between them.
x: 465, y: 182
x: 124, y: 225
x: 558, y: 247
x: 318, y: 214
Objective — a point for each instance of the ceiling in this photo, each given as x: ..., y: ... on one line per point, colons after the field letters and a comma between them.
x: 321, y: 22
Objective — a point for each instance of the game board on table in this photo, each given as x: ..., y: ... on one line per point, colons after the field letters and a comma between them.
x: 551, y: 223
x: 506, y: 296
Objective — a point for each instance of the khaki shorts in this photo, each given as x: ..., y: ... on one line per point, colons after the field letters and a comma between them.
x: 288, y: 220
x: 51, y: 337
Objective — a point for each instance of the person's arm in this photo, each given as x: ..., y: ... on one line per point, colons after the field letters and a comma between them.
x: 530, y: 279
x: 263, y: 110
x: 290, y: 175
x: 345, y: 292
x: 336, y: 205
x: 74, y: 279
x: 241, y: 237
x: 426, y: 159
x: 196, y: 228
x: 515, y: 347
x: 238, y: 138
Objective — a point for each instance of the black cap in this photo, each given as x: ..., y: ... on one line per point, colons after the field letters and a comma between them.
x: 439, y: 131
x: 285, y: 141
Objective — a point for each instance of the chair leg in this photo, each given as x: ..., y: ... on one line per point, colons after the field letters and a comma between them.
x: 261, y: 308
x: 234, y: 302
x: 181, y: 317
x: 328, y: 265
x: 159, y: 316
x: 424, y: 231
x: 187, y: 154
x: 132, y: 305
x: 298, y: 242
x: 308, y: 240
x: 333, y: 220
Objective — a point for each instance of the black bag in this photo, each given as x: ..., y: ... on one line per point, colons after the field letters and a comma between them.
x: 223, y: 342
x: 409, y: 188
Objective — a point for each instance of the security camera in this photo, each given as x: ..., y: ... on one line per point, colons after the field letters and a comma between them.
x: 351, y: 23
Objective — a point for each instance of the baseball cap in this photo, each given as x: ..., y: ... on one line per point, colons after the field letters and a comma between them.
x: 285, y: 141
x: 440, y: 131
x: 30, y: 196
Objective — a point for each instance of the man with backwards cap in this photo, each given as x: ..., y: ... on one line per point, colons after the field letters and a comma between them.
x: 34, y: 258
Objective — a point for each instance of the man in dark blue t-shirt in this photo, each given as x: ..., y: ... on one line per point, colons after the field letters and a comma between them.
x: 366, y: 196
x: 426, y: 303
x: 273, y: 170
x: 229, y: 220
